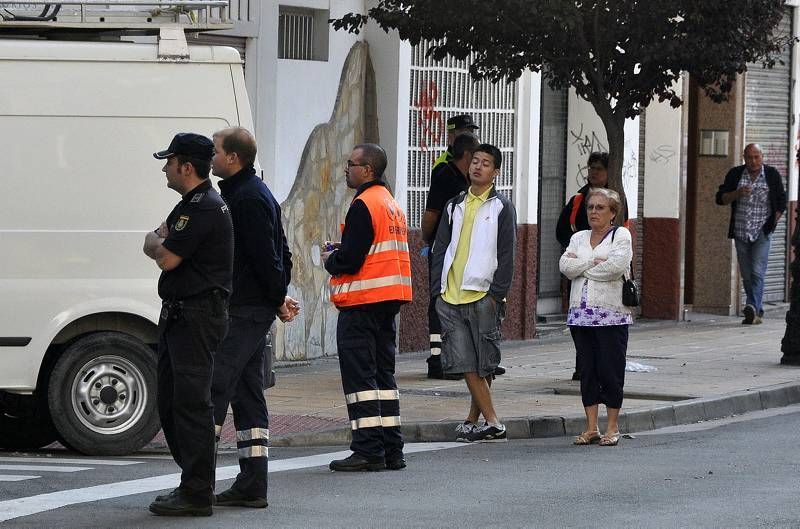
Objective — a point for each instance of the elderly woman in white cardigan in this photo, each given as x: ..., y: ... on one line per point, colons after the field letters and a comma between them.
x: 596, y: 260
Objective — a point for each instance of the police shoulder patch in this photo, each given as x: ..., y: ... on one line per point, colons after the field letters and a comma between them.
x: 197, y: 198
x: 183, y: 220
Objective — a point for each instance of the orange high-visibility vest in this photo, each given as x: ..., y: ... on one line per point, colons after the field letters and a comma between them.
x: 386, y: 272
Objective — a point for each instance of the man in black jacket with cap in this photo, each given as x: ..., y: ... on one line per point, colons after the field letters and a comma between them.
x: 194, y: 250
x: 262, y: 270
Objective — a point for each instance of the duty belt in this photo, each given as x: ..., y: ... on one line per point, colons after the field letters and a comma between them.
x: 216, y: 299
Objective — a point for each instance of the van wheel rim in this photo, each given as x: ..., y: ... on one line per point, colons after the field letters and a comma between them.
x: 109, y: 394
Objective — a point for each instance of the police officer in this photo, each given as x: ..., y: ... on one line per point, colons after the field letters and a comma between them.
x: 371, y: 278
x: 194, y: 250
x: 262, y: 269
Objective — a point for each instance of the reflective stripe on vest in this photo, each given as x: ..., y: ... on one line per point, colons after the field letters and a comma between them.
x: 386, y: 272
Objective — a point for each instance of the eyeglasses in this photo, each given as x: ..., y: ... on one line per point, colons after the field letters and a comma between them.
x: 596, y: 168
x: 351, y: 163
x: 596, y: 207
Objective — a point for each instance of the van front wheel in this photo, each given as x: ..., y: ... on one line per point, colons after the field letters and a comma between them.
x: 102, y: 394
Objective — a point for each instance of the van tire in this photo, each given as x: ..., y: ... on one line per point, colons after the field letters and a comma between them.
x: 26, y: 432
x: 102, y: 394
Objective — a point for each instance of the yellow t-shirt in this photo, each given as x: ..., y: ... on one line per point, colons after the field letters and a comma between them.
x: 453, y: 294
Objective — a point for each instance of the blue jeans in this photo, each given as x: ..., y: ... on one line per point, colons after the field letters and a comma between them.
x: 752, y: 257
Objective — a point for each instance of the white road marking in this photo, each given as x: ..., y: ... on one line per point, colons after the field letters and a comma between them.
x: 60, y: 461
x: 18, y: 507
x: 14, y: 477
x: 43, y: 468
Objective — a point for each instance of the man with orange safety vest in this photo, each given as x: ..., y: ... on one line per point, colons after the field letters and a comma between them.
x: 371, y: 279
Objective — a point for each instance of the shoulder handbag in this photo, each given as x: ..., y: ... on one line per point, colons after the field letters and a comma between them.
x: 630, y: 290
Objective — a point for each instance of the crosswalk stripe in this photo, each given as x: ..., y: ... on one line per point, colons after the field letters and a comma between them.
x: 64, y: 461
x: 43, y: 468
x: 16, y: 477
x: 18, y: 507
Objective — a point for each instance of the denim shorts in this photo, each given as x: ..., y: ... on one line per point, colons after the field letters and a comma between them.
x: 471, y: 336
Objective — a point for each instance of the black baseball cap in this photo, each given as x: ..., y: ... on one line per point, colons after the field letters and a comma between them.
x: 188, y: 144
x: 462, y: 121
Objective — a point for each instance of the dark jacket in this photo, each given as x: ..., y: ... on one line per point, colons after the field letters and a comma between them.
x: 564, y: 230
x: 262, y: 262
x: 777, y: 195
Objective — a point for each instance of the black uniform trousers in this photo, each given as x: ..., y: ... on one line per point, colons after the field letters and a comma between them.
x: 434, y: 325
x: 602, y: 352
x: 366, y: 345
x: 239, y: 380
x: 190, y: 332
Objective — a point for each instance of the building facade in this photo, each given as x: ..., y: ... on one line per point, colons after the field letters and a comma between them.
x: 316, y: 92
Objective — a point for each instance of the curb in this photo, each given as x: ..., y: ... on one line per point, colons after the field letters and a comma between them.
x: 682, y: 412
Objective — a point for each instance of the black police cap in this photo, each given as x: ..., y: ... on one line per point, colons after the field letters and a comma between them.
x: 188, y: 144
x: 462, y: 121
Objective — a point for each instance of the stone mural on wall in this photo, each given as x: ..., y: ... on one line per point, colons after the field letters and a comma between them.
x: 317, y: 204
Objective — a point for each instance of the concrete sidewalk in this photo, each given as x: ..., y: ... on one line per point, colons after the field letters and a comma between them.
x: 707, y: 367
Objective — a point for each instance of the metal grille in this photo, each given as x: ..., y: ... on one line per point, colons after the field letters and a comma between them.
x: 767, y: 122
x: 240, y: 10
x: 552, y: 178
x: 296, y: 34
x: 440, y: 90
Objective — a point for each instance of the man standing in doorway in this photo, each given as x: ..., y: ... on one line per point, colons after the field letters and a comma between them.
x: 194, y: 250
x: 371, y: 278
x: 757, y: 199
x: 262, y: 270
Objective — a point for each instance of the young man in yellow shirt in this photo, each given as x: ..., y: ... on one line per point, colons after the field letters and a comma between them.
x: 472, y: 269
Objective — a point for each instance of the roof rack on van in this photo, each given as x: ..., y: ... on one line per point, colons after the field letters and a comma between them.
x: 166, y: 18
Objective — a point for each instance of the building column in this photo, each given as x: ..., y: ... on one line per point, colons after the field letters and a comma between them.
x: 662, y: 244
x: 711, y: 274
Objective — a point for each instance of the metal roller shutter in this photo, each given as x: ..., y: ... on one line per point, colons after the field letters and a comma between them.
x: 552, y: 171
x: 767, y: 122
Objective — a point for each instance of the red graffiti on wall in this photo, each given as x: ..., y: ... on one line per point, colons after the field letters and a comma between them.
x: 429, y: 120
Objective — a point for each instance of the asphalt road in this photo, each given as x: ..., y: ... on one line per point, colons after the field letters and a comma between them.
x: 741, y: 472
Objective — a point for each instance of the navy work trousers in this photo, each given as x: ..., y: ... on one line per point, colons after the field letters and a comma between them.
x: 366, y: 344
x: 239, y: 381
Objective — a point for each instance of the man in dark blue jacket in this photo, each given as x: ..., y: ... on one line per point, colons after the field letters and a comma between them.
x: 262, y: 270
x: 758, y: 200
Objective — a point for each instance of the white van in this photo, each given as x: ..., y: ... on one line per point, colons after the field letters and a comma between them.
x: 79, y: 122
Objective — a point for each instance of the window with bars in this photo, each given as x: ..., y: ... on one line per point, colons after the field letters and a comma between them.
x: 440, y: 90
x: 302, y: 34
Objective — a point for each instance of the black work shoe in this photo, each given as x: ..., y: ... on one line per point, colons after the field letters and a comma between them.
x: 356, y: 463
x: 178, y: 504
x: 749, y: 314
x: 165, y: 497
x: 499, y: 370
x: 435, y: 367
x: 396, y: 464
x: 235, y: 498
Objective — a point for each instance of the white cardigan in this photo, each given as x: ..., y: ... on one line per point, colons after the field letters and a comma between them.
x: 605, y: 278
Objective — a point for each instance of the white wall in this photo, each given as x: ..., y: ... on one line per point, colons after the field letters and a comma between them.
x: 526, y: 188
x: 391, y: 59
x: 662, y: 165
x: 289, y: 98
x: 585, y: 133
x: 795, y: 130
